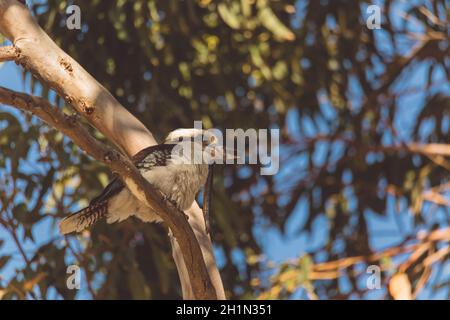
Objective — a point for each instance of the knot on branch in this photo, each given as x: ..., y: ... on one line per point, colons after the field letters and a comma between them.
x: 18, y: 53
x: 13, y: 98
x: 9, y: 53
x: 68, y: 99
x: 111, y: 156
x: 19, y: 58
x: 29, y: 102
x: 72, y: 119
x: 66, y: 65
x: 87, y: 108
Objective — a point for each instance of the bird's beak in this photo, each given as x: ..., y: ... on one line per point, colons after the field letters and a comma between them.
x: 224, y: 153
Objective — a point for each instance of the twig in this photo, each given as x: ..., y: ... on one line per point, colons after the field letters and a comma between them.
x: 436, y: 235
x: 8, y: 225
x: 7, y: 53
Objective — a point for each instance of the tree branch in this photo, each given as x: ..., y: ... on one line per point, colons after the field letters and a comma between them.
x: 141, y: 189
x: 36, y: 52
x: 7, y: 53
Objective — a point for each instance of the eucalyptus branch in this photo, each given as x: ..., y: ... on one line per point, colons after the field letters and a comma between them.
x: 7, y: 53
x: 120, y: 164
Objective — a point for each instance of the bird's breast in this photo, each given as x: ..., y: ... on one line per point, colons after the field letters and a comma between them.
x: 179, y: 182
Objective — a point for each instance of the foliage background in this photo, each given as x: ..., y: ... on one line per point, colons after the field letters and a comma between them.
x: 347, y: 99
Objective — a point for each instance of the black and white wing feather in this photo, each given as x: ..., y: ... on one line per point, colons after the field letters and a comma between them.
x: 144, y: 160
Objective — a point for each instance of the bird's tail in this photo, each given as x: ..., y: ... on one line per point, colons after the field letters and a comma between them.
x: 78, y: 221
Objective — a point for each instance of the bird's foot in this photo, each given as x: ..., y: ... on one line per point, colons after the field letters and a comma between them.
x: 166, y: 199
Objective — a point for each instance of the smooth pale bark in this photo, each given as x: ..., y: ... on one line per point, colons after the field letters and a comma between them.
x: 36, y: 52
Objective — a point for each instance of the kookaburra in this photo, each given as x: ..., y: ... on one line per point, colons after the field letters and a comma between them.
x: 173, y: 173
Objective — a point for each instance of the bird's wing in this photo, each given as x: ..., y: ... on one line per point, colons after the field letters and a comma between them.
x: 80, y: 220
x: 154, y: 156
x: 114, y: 187
x: 145, y: 159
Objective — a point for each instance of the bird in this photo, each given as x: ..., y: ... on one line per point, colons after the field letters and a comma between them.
x: 175, y: 168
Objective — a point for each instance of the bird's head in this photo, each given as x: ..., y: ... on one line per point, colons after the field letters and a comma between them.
x: 207, y: 142
x: 185, y: 134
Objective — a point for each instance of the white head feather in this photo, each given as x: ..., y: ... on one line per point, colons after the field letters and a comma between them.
x: 199, y: 135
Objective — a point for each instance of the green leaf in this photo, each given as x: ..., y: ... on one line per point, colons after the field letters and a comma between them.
x: 230, y: 17
x: 269, y: 20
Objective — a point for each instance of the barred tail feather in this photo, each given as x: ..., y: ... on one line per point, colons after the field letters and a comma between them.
x: 78, y: 221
